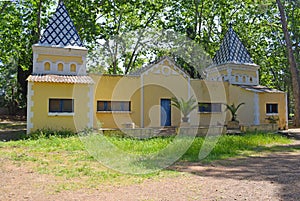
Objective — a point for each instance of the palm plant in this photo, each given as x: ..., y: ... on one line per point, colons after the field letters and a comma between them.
x: 233, y: 110
x: 185, y: 107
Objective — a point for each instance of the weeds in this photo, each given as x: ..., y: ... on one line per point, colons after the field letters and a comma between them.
x: 47, y: 132
x: 62, y: 154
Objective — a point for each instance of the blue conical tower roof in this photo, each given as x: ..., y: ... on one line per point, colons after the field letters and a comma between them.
x: 232, y: 50
x: 60, y: 30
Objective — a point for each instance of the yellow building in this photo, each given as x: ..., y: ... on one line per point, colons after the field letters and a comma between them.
x: 62, y: 95
x: 59, y: 89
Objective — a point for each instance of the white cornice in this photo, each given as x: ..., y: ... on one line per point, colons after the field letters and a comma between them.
x: 56, y: 50
x: 243, y: 67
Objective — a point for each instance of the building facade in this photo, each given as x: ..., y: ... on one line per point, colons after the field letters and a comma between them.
x: 61, y: 95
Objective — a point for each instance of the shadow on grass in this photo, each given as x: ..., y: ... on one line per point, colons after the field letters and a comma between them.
x: 279, y: 164
x: 9, y: 126
x: 12, y: 130
x: 13, y: 135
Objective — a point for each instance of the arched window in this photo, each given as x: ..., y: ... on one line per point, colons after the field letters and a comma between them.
x: 60, y: 67
x: 73, y: 68
x: 47, y: 66
x: 244, y: 79
x: 251, y: 79
x: 236, y: 78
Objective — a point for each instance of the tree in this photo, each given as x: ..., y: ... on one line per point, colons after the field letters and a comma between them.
x: 292, y: 64
x: 20, y: 26
x: 120, y: 40
x: 233, y: 110
x: 103, y: 25
x: 185, y: 107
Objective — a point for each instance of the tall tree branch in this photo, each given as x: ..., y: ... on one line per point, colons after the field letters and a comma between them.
x: 292, y: 63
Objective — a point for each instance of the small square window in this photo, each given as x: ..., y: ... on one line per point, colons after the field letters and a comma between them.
x: 61, y: 105
x: 272, y: 108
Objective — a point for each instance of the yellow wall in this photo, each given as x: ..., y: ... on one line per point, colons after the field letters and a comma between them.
x: 55, y: 58
x: 117, y: 88
x: 278, y: 98
x: 218, y: 73
x: 156, y: 86
x: 246, y: 112
x: 163, y: 82
x: 237, y: 95
x: 152, y: 110
x: 210, y: 92
x: 243, y: 72
x: 41, y: 94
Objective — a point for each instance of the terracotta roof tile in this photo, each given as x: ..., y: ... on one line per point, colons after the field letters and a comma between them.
x: 260, y: 88
x: 72, y: 79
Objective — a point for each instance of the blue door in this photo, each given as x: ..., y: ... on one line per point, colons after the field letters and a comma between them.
x: 165, y: 112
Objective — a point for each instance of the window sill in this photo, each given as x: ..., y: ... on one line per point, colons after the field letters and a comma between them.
x: 209, y: 112
x: 114, y: 112
x: 55, y: 114
x: 272, y: 114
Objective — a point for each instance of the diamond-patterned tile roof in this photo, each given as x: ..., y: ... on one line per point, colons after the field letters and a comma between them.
x: 232, y: 50
x: 60, y: 30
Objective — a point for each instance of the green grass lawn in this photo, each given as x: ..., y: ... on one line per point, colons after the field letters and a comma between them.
x: 67, y: 157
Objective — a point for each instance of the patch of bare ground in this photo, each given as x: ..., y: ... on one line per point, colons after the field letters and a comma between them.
x: 266, y: 176
x: 275, y: 176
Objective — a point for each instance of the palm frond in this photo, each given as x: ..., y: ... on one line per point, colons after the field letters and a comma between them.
x: 233, y: 110
x: 186, y: 107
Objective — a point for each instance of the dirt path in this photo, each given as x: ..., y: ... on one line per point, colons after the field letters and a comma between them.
x: 275, y: 176
x: 12, y: 130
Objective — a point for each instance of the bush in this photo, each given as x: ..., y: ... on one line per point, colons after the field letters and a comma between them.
x: 47, y: 132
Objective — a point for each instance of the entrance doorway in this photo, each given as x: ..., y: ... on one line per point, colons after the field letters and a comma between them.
x: 165, y: 112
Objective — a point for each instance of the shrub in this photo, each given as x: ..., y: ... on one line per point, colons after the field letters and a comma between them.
x: 47, y: 132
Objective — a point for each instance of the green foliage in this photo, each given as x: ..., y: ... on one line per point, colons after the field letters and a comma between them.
x: 47, y: 133
x: 273, y: 119
x: 233, y: 110
x: 102, y: 26
x: 67, y: 158
x: 20, y: 24
x: 231, y: 146
x: 135, y: 146
x: 112, y: 133
x: 185, y: 107
x: 227, y: 145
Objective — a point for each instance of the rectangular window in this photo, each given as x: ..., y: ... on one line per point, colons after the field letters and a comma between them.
x: 210, y: 107
x: 272, y: 108
x: 61, y: 105
x: 114, y: 106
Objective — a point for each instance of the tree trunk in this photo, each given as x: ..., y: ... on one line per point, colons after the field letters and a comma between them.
x: 292, y: 64
x: 21, y: 73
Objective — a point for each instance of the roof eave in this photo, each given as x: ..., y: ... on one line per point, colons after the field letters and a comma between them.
x: 59, y: 46
x: 233, y: 63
